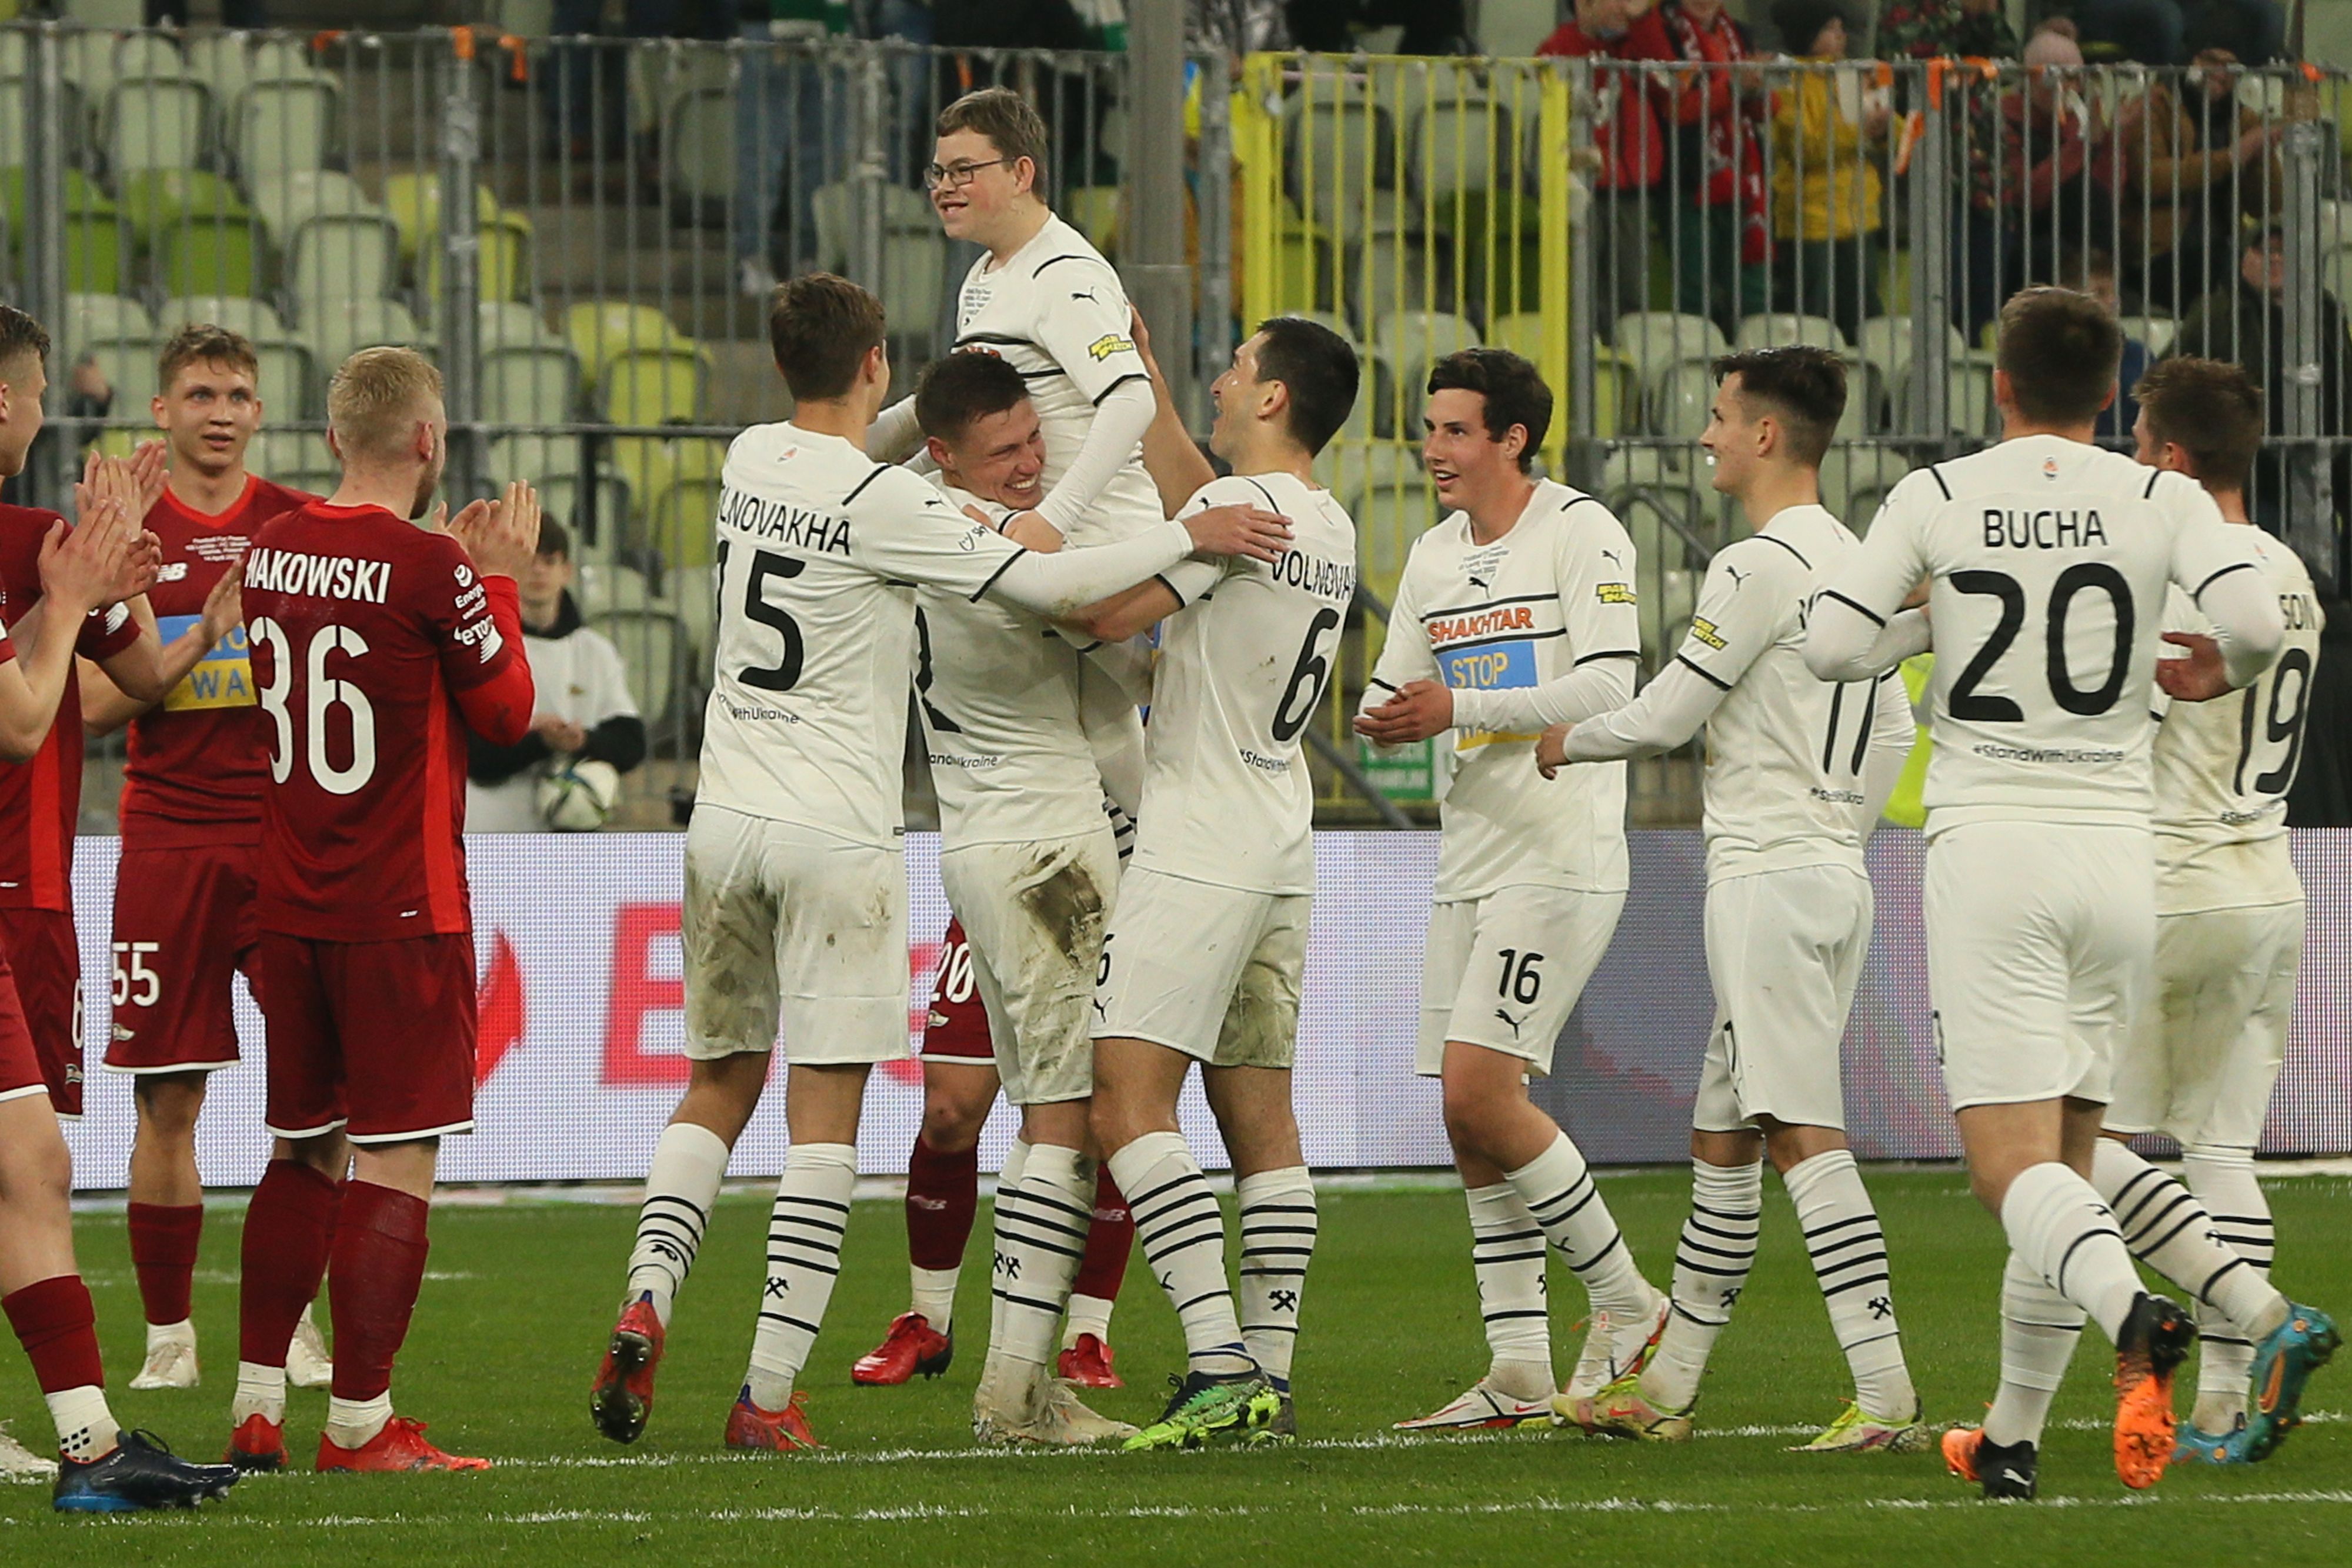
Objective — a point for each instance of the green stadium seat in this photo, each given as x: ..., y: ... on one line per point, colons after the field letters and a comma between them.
x: 117, y: 333
x: 656, y: 385
x: 602, y: 329
x: 285, y: 124
x: 199, y: 236
x: 336, y: 242
x: 95, y: 234
x: 502, y: 271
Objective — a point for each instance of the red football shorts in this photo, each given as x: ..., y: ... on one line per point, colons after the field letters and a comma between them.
x: 184, y: 926
x: 47, y: 958
x: 376, y: 1038
x: 20, y: 1064
x: 958, y: 1027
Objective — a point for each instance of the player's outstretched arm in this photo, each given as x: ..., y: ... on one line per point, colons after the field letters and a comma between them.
x: 1894, y: 731
x: 129, y: 682
x: 1670, y: 711
x: 80, y: 569
x: 1072, y: 586
x: 895, y: 434
x: 1178, y: 469
x: 2249, y: 634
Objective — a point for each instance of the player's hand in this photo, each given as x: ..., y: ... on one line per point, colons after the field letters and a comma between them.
x: 150, y: 471
x: 1028, y: 529
x: 1136, y: 330
x: 2200, y: 675
x: 1916, y: 599
x: 224, y: 609
x: 1552, y: 749
x: 1244, y: 530
x: 559, y: 734
x: 81, y: 567
x: 1415, y: 712
x: 502, y: 536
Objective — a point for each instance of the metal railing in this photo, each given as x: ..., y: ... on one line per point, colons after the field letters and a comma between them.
x: 1622, y: 223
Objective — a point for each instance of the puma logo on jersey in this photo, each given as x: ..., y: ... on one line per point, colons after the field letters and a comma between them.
x: 1109, y: 344
x: 1737, y: 575
x: 1613, y: 559
x: 1478, y: 582
x: 1514, y: 1022
x: 1088, y: 294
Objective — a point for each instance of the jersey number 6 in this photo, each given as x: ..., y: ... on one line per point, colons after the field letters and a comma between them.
x: 1312, y: 671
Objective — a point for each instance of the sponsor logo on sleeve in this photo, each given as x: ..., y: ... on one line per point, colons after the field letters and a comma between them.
x: 1613, y: 593
x: 1109, y: 344
x: 1703, y: 630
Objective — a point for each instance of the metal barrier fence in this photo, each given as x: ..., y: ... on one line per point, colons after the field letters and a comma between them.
x: 598, y: 309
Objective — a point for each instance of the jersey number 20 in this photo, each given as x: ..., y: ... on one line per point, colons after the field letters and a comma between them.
x: 1969, y: 703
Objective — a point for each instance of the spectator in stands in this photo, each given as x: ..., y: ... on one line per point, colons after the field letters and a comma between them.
x: 2189, y: 163
x: 2094, y: 272
x: 1722, y: 261
x: 1927, y: 29
x: 2244, y: 322
x: 1330, y: 26
x: 1629, y: 152
x: 1827, y: 196
x: 1238, y: 28
x: 2027, y: 154
x: 585, y: 712
x: 2172, y: 32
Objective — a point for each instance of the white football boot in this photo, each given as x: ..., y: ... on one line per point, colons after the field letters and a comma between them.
x: 171, y: 1357
x: 308, y: 1364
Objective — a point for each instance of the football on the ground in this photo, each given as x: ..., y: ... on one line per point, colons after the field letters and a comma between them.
x: 579, y: 797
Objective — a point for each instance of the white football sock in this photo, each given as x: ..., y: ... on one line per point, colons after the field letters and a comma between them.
x: 1559, y: 1192
x: 2167, y: 1229
x: 1087, y: 1315
x: 804, y: 1230
x: 2039, y: 1331
x: 2067, y: 1236
x: 1507, y: 1255
x: 1038, y: 1245
x: 681, y: 1186
x: 260, y: 1391
x: 183, y: 1333
x: 354, y: 1423
x: 1717, y: 1248
x: 2224, y: 1180
x: 999, y: 1209
x: 85, y: 1428
x: 1849, y: 1252
x: 933, y: 1296
x: 1279, y: 1226
x: 1184, y: 1235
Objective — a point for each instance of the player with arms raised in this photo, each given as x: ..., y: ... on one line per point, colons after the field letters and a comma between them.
x: 376, y: 646
x: 2229, y: 940
x: 1514, y: 614
x: 183, y: 905
x: 1207, y: 945
x: 2046, y: 562
x: 796, y: 884
x: 1796, y: 771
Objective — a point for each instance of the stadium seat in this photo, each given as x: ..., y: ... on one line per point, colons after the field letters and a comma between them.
x: 1461, y: 148
x: 1679, y: 399
x: 698, y: 154
x: 296, y: 458
x: 553, y: 463
x: 1342, y: 162
x: 1778, y: 329
x: 1969, y: 405
x: 199, y: 236
x: 528, y: 377
x: 1616, y: 389
x: 1356, y: 469
x: 502, y: 264
x: 285, y: 124
x: 116, y: 333
x: 681, y: 521
x: 1093, y: 210
x: 693, y: 596
x: 334, y: 329
x: 16, y: 115
x: 157, y: 123
x: 914, y: 255
x: 1388, y: 272
x: 335, y: 242
x: 1853, y: 478
x: 414, y: 202
x: 655, y: 386
x: 1387, y: 523
x: 1375, y: 413
x: 1653, y: 340
x: 601, y: 329
x: 605, y: 585
x: 2157, y: 332
x: 1412, y: 341
x: 227, y: 64
x: 94, y: 230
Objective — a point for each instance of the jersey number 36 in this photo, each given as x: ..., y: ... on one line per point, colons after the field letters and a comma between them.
x: 324, y: 694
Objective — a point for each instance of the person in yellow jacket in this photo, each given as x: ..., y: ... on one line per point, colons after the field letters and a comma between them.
x: 1827, y: 196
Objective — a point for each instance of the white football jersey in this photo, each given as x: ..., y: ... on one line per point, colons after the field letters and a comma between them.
x: 820, y: 550
x: 998, y: 691
x: 1554, y: 592
x: 1785, y: 751
x: 2223, y: 768
x: 2049, y: 560
x: 1226, y: 795
x: 1056, y: 312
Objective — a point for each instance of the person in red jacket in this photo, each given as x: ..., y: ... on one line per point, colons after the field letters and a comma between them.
x: 1631, y: 153
x: 191, y: 822
x: 376, y: 646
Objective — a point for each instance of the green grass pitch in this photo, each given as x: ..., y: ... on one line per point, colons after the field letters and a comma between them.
x: 522, y: 1294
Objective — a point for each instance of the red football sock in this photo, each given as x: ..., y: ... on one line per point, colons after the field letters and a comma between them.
x: 164, y: 1241
x: 53, y: 1321
x: 942, y: 1197
x: 1109, y: 1244
x: 377, y: 1267
x: 288, y: 1226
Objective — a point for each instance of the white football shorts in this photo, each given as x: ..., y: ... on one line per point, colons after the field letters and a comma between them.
x: 1211, y: 971
x: 782, y: 917
x: 1034, y: 914
x: 1784, y: 950
x: 2201, y: 1067
x: 1505, y: 971
x: 2041, y: 957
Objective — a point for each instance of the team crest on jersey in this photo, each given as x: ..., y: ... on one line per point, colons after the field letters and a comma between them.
x: 1703, y: 630
x: 1613, y: 593
x: 1109, y: 344
x: 464, y: 575
x: 2048, y: 468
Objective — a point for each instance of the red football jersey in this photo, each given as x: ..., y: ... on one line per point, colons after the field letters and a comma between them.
x: 40, y: 800
x: 194, y: 773
x: 363, y: 628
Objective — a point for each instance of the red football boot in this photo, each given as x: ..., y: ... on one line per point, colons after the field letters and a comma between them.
x: 401, y: 1445
x: 781, y: 1431
x: 257, y: 1444
x: 622, y: 1395
x: 912, y: 1345
x: 1088, y: 1363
